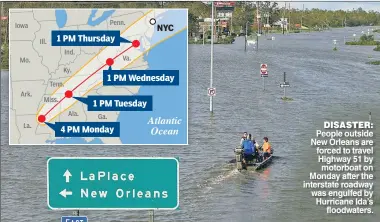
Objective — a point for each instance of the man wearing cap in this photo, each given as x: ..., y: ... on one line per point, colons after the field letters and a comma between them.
x: 244, y: 137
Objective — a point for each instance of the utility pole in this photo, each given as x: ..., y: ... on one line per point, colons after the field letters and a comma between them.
x: 6, y: 26
x: 212, y: 52
x: 303, y: 9
x: 203, y: 29
x: 283, y: 20
x: 289, y: 18
x: 246, y: 35
x: 345, y: 22
x: 258, y: 26
x: 232, y: 27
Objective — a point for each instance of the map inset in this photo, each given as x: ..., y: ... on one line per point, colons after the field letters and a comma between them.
x: 98, y: 76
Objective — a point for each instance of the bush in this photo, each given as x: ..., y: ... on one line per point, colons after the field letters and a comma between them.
x: 4, y: 56
x: 226, y: 40
x: 377, y: 48
x: 374, y: 62
x: 364, y: 40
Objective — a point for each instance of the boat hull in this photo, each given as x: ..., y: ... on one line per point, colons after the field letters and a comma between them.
x: 258, y: 166
x: 250, y: 165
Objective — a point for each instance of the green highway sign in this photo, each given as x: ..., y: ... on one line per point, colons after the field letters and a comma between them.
x: 112, y: 183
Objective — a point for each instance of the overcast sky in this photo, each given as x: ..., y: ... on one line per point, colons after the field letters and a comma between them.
x: 335, y: 5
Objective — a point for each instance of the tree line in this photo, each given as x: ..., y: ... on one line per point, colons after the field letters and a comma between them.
x: 243, y: 12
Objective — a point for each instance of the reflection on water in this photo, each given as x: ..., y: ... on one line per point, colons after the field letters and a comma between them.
x: 325, y: 85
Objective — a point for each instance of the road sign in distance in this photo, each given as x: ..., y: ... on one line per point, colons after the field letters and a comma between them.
x: 74, y: 219
x: 284, y: 84
x: 211, y: 91
x: 264, y: 69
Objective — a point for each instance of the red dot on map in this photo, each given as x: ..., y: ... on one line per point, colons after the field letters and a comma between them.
x: 109, y: 61
x: 69, y: 94
x: 136, y: 43
x: 41, y: 118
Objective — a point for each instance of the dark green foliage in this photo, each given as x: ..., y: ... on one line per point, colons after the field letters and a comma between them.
x: 374, y: 62
x: 364, y: 40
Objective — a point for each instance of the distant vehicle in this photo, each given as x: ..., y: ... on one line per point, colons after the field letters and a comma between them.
x: 251, y: 42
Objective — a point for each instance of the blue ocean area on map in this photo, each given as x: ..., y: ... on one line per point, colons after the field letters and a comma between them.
x: 168, y: 101
x: 61, y: 17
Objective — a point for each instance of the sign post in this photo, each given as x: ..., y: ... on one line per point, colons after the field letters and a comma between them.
x: 112, y: 183
x: 151, y: 216
x: 264, y: 73
x: 212, y: 54
x: 284, y: 85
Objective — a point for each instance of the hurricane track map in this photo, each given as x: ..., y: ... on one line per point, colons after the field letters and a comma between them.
x: 98, y: 76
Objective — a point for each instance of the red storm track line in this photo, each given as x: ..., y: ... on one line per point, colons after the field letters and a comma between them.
x: 86, y: 80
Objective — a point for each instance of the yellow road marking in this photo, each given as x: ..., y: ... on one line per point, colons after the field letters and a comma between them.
x: 39, y: 112
x: 122, y: 69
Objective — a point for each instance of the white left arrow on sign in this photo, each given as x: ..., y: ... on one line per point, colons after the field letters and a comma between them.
x: 65, y: 193
x: 67, y: 174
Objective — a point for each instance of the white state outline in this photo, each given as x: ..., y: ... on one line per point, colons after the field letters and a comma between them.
x: 102, y: 158
x: 104, y: 144
x: 70, y: 217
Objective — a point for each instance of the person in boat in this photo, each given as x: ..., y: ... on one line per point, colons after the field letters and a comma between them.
x: 256, y: 148
x: 244, y: 137
x: 248, y: 149
x: 266, y: 148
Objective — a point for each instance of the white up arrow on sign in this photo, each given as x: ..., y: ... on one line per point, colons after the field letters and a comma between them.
x: 67, y: 174
x: 65, y: 193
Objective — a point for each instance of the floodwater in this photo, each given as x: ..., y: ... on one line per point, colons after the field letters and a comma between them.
x: 325, y: 85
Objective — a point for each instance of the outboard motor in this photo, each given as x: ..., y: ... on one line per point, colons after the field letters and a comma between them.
x: 239, y: 158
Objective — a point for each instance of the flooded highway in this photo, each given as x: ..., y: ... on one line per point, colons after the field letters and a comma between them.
x: 325, y: 85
